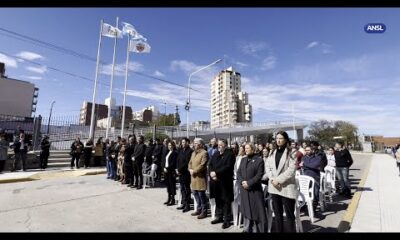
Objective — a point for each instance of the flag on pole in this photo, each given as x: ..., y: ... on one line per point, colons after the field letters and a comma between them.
x: 109, y: 31
x: 139, y: 46
x: 129, y: 29
x: 139, y: 37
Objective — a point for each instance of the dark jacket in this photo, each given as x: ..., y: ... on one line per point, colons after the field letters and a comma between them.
x: 111, y: 150
x: 148, y: 154
x: 157, y: 154
x: 128, y: 154
x: 184, y: 155
x: 171, y: 162
x: 252, y: 200
x: 45, y: 146
x: 17, y: 145
x: 312, y: 165
x: 138, y: 154
x: 223, y: 165
x: 76, y: 149
x: 343, y: 158
x: 87, y: 151
x: 164, y: 152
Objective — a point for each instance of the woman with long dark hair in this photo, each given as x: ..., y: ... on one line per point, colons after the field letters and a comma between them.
x: 280, y: 170
x: 169, y: 166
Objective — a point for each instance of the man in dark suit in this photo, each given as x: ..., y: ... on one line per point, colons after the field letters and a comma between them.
x: 128, y: 164
x: 45, y: 152
x: 138, y: 159
x: 157, y: 156
x: 184, y: 155
x: 221, y: 184
x: 20, y: 149
x: 164, y: 152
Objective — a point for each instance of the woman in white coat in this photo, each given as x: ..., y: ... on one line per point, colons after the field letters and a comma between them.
x: 280, y: 170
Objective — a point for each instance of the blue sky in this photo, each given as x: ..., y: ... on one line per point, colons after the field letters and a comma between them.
x: 319, y: 60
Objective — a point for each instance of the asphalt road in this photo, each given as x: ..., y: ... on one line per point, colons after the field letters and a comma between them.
x: 96, y: 204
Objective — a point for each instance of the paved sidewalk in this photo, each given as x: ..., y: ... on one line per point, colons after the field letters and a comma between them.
x: 378, y: 209
x: 37, y: 174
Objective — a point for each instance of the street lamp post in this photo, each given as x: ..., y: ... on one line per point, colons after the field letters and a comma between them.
x: 48, y: 124
x: 187, y: 107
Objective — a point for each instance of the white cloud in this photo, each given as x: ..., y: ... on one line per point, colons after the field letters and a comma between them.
x: 252, y: 48
x: 32, y: 77
x: 158, y: 74
x: 312, y: 44
x: 119, y: 69
x: 29, y: 55
x: 8, y: 61
x: 346, y: 89
x: 183, y: 65
x: 40, y: 70
x: 242, y: 65
x: 269, y: 63
x: 320, y: 47
x: 205, y: 76
x: 166, y: 92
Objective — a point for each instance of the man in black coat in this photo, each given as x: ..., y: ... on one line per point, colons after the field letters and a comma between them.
x: 148, y: 158
x: 184, y: 155
x: 45, y: 152
x: 128, y: 164
x: 138, y: 159
x: 343, y: 161
x: 221, y: 184
x: 20, y: 147
x: 164, y: 152
x: 157, y: 156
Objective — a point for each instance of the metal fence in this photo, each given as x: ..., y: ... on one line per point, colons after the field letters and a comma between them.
x: 63, y: 130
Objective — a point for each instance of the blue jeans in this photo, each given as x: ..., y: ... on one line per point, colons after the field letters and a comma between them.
x: 201, y: 200
x: 111, y: 169
x: 316, y: 189
x: 342, y: 174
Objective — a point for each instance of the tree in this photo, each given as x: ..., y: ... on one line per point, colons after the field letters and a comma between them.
x: 166, y: 120
x: 347, y: 130
x: 159, y: 135
x: 324, y: 131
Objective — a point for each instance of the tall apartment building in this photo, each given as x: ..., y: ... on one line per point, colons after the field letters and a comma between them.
x: 229, y: 105
x: 17, y: 97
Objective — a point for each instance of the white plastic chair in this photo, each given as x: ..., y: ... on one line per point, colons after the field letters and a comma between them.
x: 327, y: 186
x: 330, y: 173
x: 298, y: 206
x: 150, y: 178
x: 306, y: 188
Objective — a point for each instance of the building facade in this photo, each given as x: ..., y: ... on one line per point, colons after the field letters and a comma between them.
x: 17, y: 98
x: 148, y: 114
x: 229, y: 105
x: 100, y: 112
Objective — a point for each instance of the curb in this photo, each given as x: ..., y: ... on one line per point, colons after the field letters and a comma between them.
x: 48, y: 175
x: 348, y: 216
x: 13, y: 180
x: 95, y: 173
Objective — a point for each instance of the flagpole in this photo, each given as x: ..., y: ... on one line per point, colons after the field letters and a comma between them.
x: 126, y: 80
x: 91, y: 132
x: 111, y: 83
x: 294, y: 128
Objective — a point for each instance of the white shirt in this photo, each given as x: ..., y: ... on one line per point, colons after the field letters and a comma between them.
x: 237, y: 165
x: 166, y: 159
x: 331, y: 160
x: 22, y: 143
